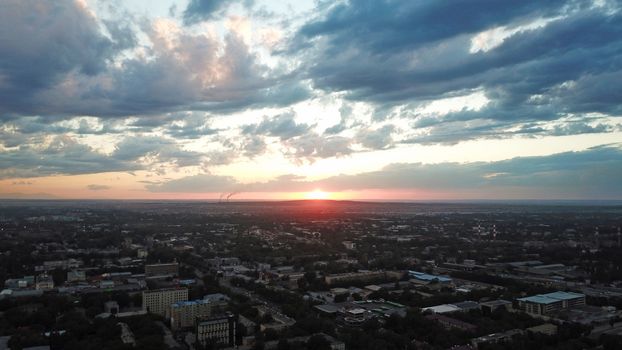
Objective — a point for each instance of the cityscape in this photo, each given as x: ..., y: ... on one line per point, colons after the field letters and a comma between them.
x: 312, y: 274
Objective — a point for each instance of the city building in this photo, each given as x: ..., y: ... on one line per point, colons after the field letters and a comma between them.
x: 162, y: 269
x: 363, y: 276
x: 495, y: 338
x: 76, y: 276
x: 217, y: 329
x: 218, y: 302
x: 544, y: 304
x: 185, y: 313
x: 449, y: 322
x: 488, y: 307
x: 159, y: 301
x: 111, y: 307
x: 422, y: 276
x: 142, y: 253
x: 44, y: 281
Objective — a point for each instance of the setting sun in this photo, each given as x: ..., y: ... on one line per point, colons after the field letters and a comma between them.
x: 317, y: 194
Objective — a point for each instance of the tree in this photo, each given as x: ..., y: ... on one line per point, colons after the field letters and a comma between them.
x: 283, y: 345
x: 318, y: 342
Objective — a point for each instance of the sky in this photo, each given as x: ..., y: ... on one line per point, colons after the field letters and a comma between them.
x: 268, y: 99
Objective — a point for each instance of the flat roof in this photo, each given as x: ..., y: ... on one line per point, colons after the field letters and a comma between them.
x: 190, y: 302
x: 551, y: 298
x: 498, y: 302
x: 428, y: 277
x: 328, y: 308
x: 439, y: 309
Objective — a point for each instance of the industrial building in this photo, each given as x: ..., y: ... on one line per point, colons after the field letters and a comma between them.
x: 544, y: 304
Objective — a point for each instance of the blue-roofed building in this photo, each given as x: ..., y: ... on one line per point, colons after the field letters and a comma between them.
x: 422, y: 276
x: 544, y: 304
x: 185, y: 313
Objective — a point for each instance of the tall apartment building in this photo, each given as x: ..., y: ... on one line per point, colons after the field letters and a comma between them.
x: 185, y: 313
x: 159, y: 301
x: 162, y: 269
x: 217, y: 329
x: 544, y: 304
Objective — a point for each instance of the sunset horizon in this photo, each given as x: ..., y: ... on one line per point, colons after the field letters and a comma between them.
x: 380, y: 100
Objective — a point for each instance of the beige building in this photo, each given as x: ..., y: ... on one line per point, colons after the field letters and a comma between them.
x: 162, y: 269
x: 159, y: 301
x: 44, y: 281
x: 185, y: 313
x: 219, y: 330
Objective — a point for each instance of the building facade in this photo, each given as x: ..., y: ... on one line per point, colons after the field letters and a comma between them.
x: 159, y: 301
x: 162, y: 269
x: 185, y: 313
x: 217, y: 329
x: 545, y: 304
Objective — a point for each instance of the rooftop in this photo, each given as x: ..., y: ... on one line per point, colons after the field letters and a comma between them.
x: 427, y: 277
x: 551, y: 298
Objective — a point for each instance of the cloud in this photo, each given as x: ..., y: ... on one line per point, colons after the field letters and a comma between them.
x: 202, y: 10
x: 94, y: 187
x: 592, y: 173
x: 380, y: 138
x: 283, y: 126
x: 76, y: 64
x: 403, y: 55
x: 196, y: 183
x: 64, y: 155
x: 311, y: 146
x: 41, y: 43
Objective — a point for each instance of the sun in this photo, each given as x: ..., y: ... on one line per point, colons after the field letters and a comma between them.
x: 317, y: 194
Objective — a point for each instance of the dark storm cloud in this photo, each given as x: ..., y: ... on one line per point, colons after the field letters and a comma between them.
x: 56, y: 59
x: 42, y: 42
x: 397, y: 53
x: 453, y: 132
x: 592, y: 173
x: 388, y: 26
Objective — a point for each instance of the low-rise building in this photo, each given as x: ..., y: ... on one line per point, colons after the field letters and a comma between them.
x: 162, y: 269
x: 544, y: 304
x: 362, y: 276
x: 546, y: 329
x: 44, y: 281
x: 76, y: 276
x: 489, y: 307
x: 449, y: 322
x: 495, y: 338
